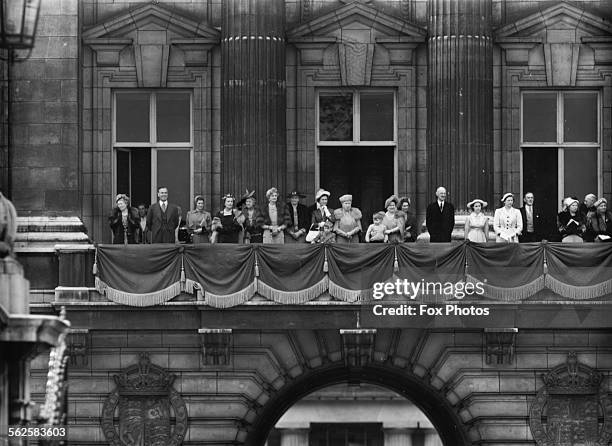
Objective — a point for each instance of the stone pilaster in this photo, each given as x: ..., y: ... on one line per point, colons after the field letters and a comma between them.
x: 253, y: 96
x: 460, y: 100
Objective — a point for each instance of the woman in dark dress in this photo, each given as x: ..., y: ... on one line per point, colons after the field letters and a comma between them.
x: 227, y: 222
x: 123, y: 221
x: 410, y: 224
x: 571, y: 222
x: 253, y: 218
x: 600, y: 223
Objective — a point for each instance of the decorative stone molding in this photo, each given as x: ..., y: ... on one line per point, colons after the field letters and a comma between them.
x: 146, y: 401
x: 569, y: 408
x: 78, y: 342
x: 499, y: 344
x: 357, y: 346
x: 216, y: 345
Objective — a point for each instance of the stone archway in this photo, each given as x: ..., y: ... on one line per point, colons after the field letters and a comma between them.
x: 434, y: 406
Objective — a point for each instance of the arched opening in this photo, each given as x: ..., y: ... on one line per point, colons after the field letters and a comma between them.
x: 436, y: 409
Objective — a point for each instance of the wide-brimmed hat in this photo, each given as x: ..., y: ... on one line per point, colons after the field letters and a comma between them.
x: 320, y: 193
x: 391, y: 199
x: 245, y: 197
x: 478, y: 200
x: 506, y: 195
x: 296, y: 194
x: 567, y: 202
x: 345, y: 197
x: 598, y: 202
x: 122, y: 197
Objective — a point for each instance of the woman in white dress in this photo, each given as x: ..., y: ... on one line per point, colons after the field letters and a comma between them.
x: 507, y: 221
x: 477, y: 223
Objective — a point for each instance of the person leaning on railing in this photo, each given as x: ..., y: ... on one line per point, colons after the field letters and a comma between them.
x: 227, y: 223
x: 123, y: 221
x: 571, y: 223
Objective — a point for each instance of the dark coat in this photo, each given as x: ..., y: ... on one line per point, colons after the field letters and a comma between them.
x: 317, y: 217
x: 163, y: 224
x: 440, y: 224
x: 569, y: 228
x: 596, y: 225
x: 282, y: 218
x: 410, y: 228
x: 539, y: 226
x: 123, y: 234
x: 303, y: 217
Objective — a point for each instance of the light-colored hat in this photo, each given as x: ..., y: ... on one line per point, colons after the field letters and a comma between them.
x: 122, y: 197
x: 478, y: 200
x: 569, y: 201
x: 271, y: 191
x: 506, y: 195
x: 320, y: 193
x: 345, y: 197
x: 598, y: 202
x: 391, y: 199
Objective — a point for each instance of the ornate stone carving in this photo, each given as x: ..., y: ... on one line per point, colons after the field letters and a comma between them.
x: 499, y: 344
x: 358, y: 346
x: 568, y: 409
x: 8, y: 226
x: 216, y: 345
x: 146, y: 401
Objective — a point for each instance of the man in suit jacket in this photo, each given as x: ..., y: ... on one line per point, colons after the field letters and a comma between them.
x: 440, y: 218
x: 163, y: 219
x: 533, y: 221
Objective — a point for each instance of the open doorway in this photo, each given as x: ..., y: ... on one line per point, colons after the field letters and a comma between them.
x: 359, y: 414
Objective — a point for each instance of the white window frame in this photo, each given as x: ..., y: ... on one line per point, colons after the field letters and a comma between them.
x: 560, y: 144
x: 356, y: 142
x: 153, y: 144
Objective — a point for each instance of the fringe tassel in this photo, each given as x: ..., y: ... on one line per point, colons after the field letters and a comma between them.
x: 94, y: 270
x: 325, y: 264
x: 578, y: 292
x: 138, y: 300
x: 256, y: 266
x: 344, y: 294
x: 293, y: 297
x: 395, y: 262
x: 230, y: 300
x: 183, y: 281
x: 512, y: 294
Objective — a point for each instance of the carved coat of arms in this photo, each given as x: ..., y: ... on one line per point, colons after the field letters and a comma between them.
x: 144, y: 409
x: 572, y: 409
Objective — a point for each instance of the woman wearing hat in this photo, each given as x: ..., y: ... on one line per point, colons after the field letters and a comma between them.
x: 299, y: 219
x: 123, y: 221
x: 227, y: 222
x: 410, y: 223
x: 347, y: 224
x: 600, y: 223
x: 321, y: 213
x: 393, y: 221
x: 199, y: 222
x: 571, y: 223
x: 274, y: 219
x: 253, y: 218
x: 477, y: 224
x: 507, y: 221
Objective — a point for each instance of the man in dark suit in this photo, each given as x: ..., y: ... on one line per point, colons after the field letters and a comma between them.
x: 163, y: 219
x: 440, y: 218
x: 534, y: 225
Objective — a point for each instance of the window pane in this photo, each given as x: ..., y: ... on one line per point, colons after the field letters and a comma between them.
x: 580, y: 117
x: 376, y: 116
x: 336, y: 117
x: 173, y: 117
x: 580, y: 167
x: 540, y: 117
x: 123, y: 172
x: 141, y: 177
x: 132, y: 117
x: 174, y: 172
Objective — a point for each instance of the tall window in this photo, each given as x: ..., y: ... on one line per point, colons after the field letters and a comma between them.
x: 356, y: 140
x: 560, y: 141
x: 153, y: 145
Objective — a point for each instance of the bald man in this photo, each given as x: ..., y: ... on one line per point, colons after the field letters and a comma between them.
x: 440, y: 218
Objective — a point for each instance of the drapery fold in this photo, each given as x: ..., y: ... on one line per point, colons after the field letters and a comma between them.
x: 507, y: 271
x: 225, y: 275
x: 138, y: 275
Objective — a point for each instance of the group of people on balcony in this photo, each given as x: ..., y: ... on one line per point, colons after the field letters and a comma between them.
x: 275, y: 222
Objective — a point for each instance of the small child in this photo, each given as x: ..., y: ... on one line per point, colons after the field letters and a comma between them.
x: 376, y: 231
x: 326, y: 235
